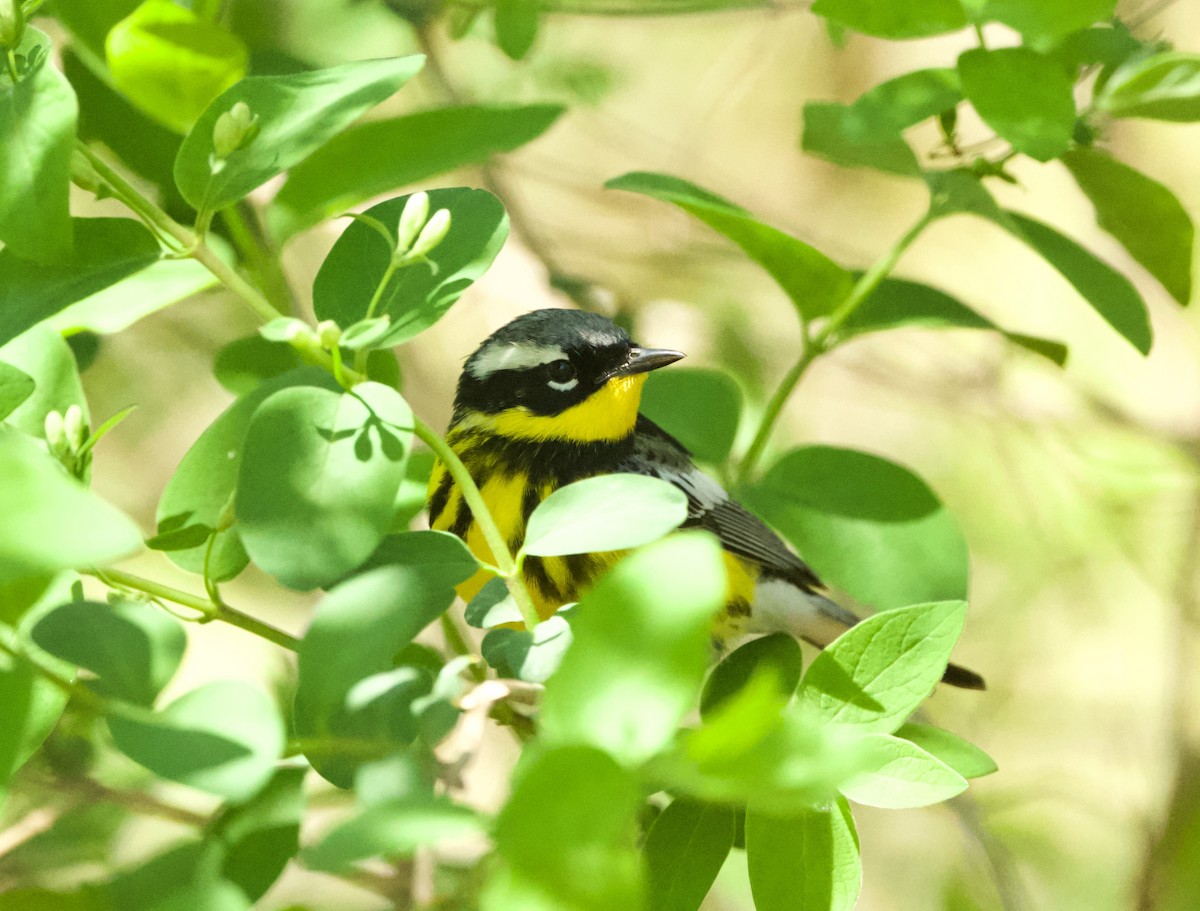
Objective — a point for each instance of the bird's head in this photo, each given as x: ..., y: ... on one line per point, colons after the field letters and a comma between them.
x: 556, y: 374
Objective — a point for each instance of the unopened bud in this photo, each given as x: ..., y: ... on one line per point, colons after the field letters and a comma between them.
x: 74, y: 428
x: 416, y: 210
x: 12, y: 24
x: 56, y: 434
x: 432, y: 234
x: 329, y: 333
x: 235, y: 129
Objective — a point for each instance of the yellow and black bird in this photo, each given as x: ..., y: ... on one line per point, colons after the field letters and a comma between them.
x: 552, y: 398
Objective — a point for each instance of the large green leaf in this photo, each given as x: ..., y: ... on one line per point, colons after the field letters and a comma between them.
x: 901, y: 775
x: 808, y: 860
x: 37, y: 121
x: 373, y: 158
x: 418, y: 294
x: 1044, y: 20
x: 134, y: 649
x: 52, y: 522
x: 777, y: 654
x: 90, y: 20
x: 894, y: 18
x: 1023, y: 95
x: 866, y: 525
x: 318, y: 477
x: 172, y: 64
x: 394, y: 603
x: 700, y: 408
x: 201, y: 489
x: 607, y: 512
x: 297, y: 114
x: 106, y: 251
x: 684, y: 851
x: 1142, y: 214
x: 640, y: 649
x: 223, y: 738
x: 875, y: 674
x: 1163, y: 87
x: 814, y: 282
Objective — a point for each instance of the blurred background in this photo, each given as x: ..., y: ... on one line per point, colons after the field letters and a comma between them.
x: 1078, y: 489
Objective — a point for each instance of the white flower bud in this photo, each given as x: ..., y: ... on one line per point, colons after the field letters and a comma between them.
x: 416, y: 210
x: 329, y: 333
x: 432, y: 234
x: 235, y: 129
x: 56, y: 434
x: 74, y: 428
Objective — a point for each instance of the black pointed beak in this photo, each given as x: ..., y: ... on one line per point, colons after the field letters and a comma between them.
x: 643, y: 360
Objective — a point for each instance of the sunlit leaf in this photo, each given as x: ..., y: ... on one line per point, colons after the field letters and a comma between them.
x: 392, y: 829
x: 896, y: 18
x: 1041, y: 20
x: 965, y: 758
x: 805, y: 860
x: 15, y: 387
x: 1165, y: 86
x: 684, y: 851
x: 902, y: 775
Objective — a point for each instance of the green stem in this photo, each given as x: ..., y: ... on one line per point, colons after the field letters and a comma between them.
x: 457, y: 643
x: 12, y: 67
x: 483, y: 518
x: 204, y: 606
x: 257, y: 248
x: 360, y: 357
x: 820, y: 343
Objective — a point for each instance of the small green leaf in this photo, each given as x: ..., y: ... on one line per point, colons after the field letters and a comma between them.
x: 106, y: 251
x: 44, y: 355
x: 607, y: 512
x: 1046, y: 20
x: 1022, y: 95
x: 37, y: 121
x: 906, y: 100
x: 1165, y: 86
x: 51, y: 521
x: 436, y: 552
x: 684, y: 851
x: 866, y: 525
x: 1142, y: 214
x: 223, y: 738
x: 814, y: 282
x: 391, y: 829
x: 844, y: 135
x: 419, y: 294
x: 170, y: 63
x: 318, y: 476
x: 516, y: 26
x: 15, y: 387
x: 777, y: 654
x: 297, y: 114
x: 965, y: 758
x: 376, y: 157
x: 896, y: 18
x: 245, y: 363
x: 134, y: 649
x: 901, y: 775
x: 875, y: 674
x: 808, y: 860
x: 641, y: 642
x: 533, y: 656
x: 364, y: 334
x: 492, y: 606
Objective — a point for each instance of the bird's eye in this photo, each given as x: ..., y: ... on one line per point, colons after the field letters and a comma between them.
x: 561, y: 372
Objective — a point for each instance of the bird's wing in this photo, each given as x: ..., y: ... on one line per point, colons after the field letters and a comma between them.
x: 740, y: 532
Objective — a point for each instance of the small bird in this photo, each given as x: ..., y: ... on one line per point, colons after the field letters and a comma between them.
x: 551, y: 398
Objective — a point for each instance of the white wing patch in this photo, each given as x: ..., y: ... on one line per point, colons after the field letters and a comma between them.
x: 512, y: 357
x: 699, y: 487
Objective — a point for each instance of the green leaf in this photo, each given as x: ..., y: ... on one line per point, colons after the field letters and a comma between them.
x: 1024, y: 96
x: 391, y: 829
x: 184, y: 878
x: 814, y: 282
x: 516, y: 26
x: 436, y: 552
x: 202, y: 487
x: 394, y: 603
x: 1109, y: 292
x: 134, y: 649
x: 842, y: 134
x: 410, y: 498
x: 528, y: 655
x: 90, y: 20
x: 875, y: 674
x: 260, y: 837
x: 119, y: 306
x: 419, y: 294
x: 297, y: 114
x: 582, y: 803
x: 245, y: 363
x: 700, y: 408
x: 896, y: 18
x: 318, y: 477
x: 777, y: 655
x: 902, y: 775
x: 1165, y: 86
x: 223, y: 738
x: 492, y: 606
x: 172, y: 64
x: 1045, y: 20
x: 1109, y: 45
x: 37, y: 121
x: 376, y: 157
x: 906, y: 100
x: 809, y: 860
x: 106, y: 250
x: 1142, y: 214
x: 965, y: 758
x: 684, y: 851
x: 897, y: 303
x: 51, y: 521
x: 44, y: 355
x: 866, y: 525
x: 607, y: 512
x: 15, y: 387
x: 640, y: 649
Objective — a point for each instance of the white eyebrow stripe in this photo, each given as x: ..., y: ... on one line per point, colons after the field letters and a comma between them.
x: 513, y: 357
